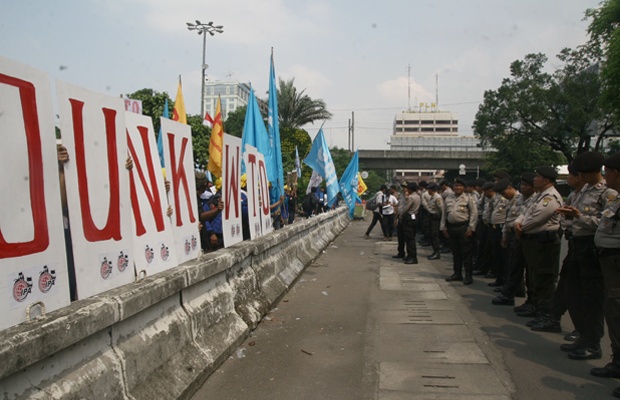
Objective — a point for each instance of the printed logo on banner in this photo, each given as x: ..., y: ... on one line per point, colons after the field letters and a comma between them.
x: 164, y: 252
x: 257, y: 228
x: 47, y: 279
x: 194, y: 242
x: 188, y: 247
x: 106, y: 268
x: 235, y: 230
x: 22, y: 287
x: 122, y: 262
x: 149, y: 254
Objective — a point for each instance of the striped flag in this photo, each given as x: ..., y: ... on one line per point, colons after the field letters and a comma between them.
x: 178, y: 114
x: 215, y: 144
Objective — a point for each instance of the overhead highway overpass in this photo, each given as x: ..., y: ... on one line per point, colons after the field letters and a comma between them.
x: 428, y: 158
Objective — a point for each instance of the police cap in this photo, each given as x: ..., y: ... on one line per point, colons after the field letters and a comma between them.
x: 501, y: 185
x: 459, y: 181
x: 613, y: 161
x: 432, y: 186
x: 547, y: 172
x: 488, y: 185
x: 501, y: 175
x: 589, y: 161
x: 412, y: 186
x: 572, y: 169
x: 528, y: 177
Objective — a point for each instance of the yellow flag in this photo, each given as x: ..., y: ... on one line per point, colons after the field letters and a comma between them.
x: 216, y: 142
x: 178, y: 114
x: 361, y: 186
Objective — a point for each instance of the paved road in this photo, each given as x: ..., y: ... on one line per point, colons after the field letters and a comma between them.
x: 361, y: 325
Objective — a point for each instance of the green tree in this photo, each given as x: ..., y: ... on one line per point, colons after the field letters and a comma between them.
x: 234, y: 122
x: 297, y: 109
x: 153, y: 104
x: 543, y: 113
x: 201, y: 135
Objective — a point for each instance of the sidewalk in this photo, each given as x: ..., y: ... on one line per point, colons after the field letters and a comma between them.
x: 359, y: 324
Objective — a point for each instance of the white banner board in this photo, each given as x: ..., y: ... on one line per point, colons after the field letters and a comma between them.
x: 179, y: 161
x: 93, y: 131
x: 153, y: 245
x: 263, y: 185
x: 231, y: 187
x: 32, y: 247
x: 254, y: 207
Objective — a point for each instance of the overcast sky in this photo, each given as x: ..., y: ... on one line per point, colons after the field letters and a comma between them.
x: 352, y: 54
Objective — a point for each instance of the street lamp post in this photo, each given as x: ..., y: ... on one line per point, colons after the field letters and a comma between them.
x: 203, y: 29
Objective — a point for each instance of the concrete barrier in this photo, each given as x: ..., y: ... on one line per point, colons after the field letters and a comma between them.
x: 161, y: 337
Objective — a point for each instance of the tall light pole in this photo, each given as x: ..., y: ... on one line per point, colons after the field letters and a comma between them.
x: 203, y: 29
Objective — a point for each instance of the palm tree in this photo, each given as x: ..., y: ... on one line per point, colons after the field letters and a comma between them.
x: 298, y: 109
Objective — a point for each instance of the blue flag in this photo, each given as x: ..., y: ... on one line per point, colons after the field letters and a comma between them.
x: 274, y: 162
x: 160, y: 141
x: 320, y: 160
x: 297, y: 163
x: 255, y: 134
x: 348, y: 184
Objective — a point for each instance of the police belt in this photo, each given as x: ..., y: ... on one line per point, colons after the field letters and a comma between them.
x: 582, y: 239
x: 497, y: 226
x: 457, y: 225
x: 605, y: 252
x: 543, y: 236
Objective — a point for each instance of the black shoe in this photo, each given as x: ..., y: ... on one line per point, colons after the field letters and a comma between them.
x: 586, y: 353
x: 495, y: 284
x: 503, y: 301
x: 532, y: 313
x: 434, y: 256
x: 548, y: 324
x: 425, y: 244
x: 490, y: 275
x: 616, y: 392
x: 454, y: 277
x: 477, y: 272
x: 468, y: 280
x: 533, y: 322
x: 399, y: 256
x: 444, y: 250
x: 568, y: 347
x: 498, y: 290
x: 524, y: 307
x: 411, y: 260
x: 571, y: 337
x: 611, y: 370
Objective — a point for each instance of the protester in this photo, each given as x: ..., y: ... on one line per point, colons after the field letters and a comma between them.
x: 379, y: 198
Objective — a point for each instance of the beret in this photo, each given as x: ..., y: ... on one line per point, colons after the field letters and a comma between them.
x: 488, y: 185
x: 613, y: 161
x: 572, y: 169
x: 432, y: 186
x: 528, y: 177
x: 589, y: 161
x: 480, y: 182
x: 412, y: 186
x: 547, y: 172
x: 501, y: 185
x: 460, y: 181
x: 444, y: 182
x: 501, y: 174
x: 423, y: 183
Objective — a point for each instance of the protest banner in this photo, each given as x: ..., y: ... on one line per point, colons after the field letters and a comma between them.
x: 153, y: 243
x: 93, y: 131
x: 231, y: 173
x: 32, y: 245
x: 179, y: 160
x: 263, y: 187
x: 250, y: 157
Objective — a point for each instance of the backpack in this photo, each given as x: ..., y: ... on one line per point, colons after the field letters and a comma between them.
x: 371, y: 204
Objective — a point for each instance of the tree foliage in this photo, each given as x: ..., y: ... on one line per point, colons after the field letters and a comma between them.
x: 297, y: 109
x: 153, y: 104
x: 543, y: 113
x: 234, y: 122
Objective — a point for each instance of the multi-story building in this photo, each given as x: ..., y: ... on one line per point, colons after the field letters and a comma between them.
x: 426, y: 123
x: 233, y: 95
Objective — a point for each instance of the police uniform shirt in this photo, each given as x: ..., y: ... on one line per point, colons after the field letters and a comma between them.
x: 607, y: 234
x: 479, y: 199
x: 411, y: 207
x: 446, y: 193
x: 425, y: 198
x: 565, y: 223
x: 458, y: 210
x: 435, y: 204
x: 540, y: 216
x: 513, y: 210
x: 591, y: 201
x: 487, y: 207
x: 498, y: 213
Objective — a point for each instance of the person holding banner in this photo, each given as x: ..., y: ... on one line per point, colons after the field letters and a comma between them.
x: 275, y: 206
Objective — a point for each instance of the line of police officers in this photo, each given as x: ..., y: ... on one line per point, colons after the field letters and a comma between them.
x: 516, y: 237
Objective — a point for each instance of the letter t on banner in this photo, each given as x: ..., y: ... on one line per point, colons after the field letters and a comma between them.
x: 231, y: 186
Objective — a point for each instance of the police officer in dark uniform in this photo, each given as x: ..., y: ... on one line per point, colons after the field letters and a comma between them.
x: 607, y: 240
x: 538, y: 229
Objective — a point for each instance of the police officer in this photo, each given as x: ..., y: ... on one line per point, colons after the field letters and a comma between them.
x: 435, y: 210
x: 496, y: 219
x: 607, y: 240
x: 538, y: 229
x: 407, y: 219
x: 514, y: 271
x: 458, y: 222
x: 584, y: 277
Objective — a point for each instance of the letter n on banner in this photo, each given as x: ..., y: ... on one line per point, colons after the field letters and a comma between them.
x: 231, y: 186
x: 179, y: 159
x: 250, y: 157
x: 153, y: 243
x: 33, y: 266
x: 93, y: 131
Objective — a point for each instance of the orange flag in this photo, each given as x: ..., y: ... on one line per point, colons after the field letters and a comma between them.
x: 216, y: 142
x: 178, y: 114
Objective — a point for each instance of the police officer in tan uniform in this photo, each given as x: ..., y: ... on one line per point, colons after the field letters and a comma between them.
x: 496, y: 219
x: 434, y: 206
x: 584, y: 277
x: 458, y: 222
x: 538, y: 229
x: 607, y: 240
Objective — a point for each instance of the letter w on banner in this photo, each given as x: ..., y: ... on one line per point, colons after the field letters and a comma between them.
x: 179, y: 159
x: 93, y: 130
x: 32, y: 248
x: 231, y: 187
x: 153, y: 243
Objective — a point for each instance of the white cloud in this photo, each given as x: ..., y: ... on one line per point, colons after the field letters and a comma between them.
x: 395, y: 91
